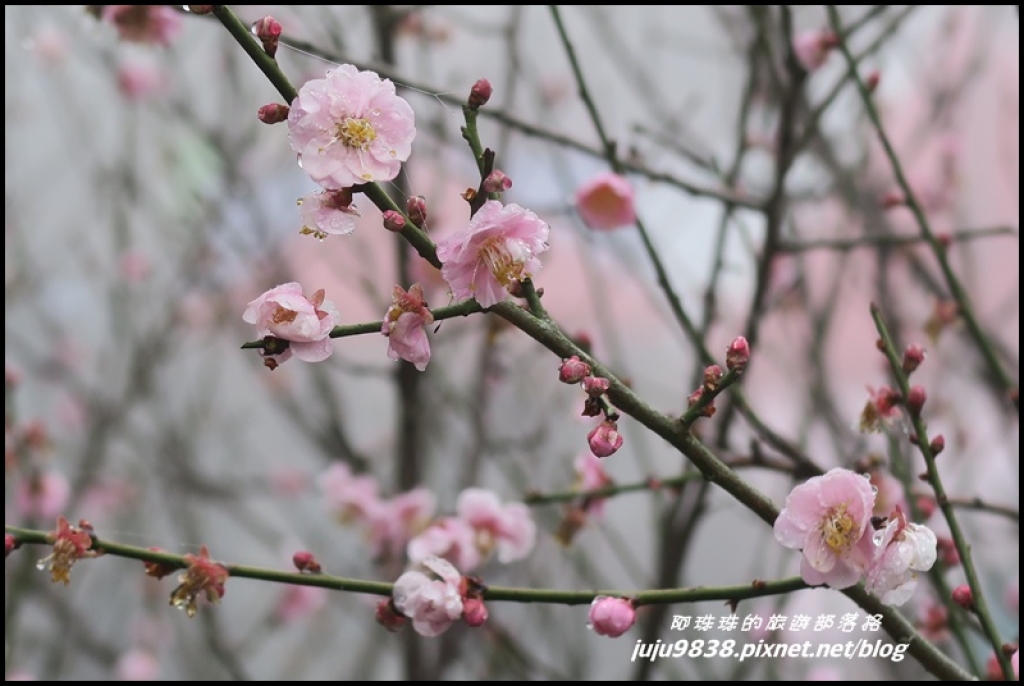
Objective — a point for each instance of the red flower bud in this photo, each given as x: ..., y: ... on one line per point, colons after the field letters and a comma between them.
x: 304, y: 561
x: 479, y: 94
x: 963, y: 597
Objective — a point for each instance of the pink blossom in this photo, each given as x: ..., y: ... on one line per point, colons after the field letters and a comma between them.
x: 498, y: 249
x: 285, y: 313
x: 350, y: 128
x: 299, y: 602
x: 351, y: 497
x: 42, y: 496
x: 474, y: 612
x: 903, y: 549
x: 392, y: 523
x: 405, y: 326
x: 829, y: 519
x: 606, y: 202
x: 605, y: 439
x: 451, y: 538
x: 611, y: 617
x: 433, y: 604
x: 138, y: 665
x: 510, y: 528
x: 881, y: 409
x: 812, y: 47
x: 156, y: 24
x: 573, y: 370
x: 327, y: 212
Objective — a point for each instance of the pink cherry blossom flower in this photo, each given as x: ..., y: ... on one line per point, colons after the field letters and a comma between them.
x: 606, y: 202
x: 327, y: 212
x: 451, y: 538
x: 498, y: 249
x: 156, y: 24
x: 284, y: 312
x: 350, y: 496
x: 204, y: 578
x: 42, y: 496
x: 405, y: 327
x: 350, y: 128
x: 509, y: 528
x: 829, y: 519
x: 393, y: 522
x: 903, y: 549
x: 611, y: 617
x: 433, y: 604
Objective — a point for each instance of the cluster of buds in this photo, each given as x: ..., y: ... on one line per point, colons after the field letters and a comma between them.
x: 737, y: 356
x: 604, y: 439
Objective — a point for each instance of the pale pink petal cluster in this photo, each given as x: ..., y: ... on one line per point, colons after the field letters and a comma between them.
x: 405, y: 327
x: 498, y: 249
x: 393, y: 522
x: 327, y: 212
x: 829, y: 519
x: 433, y: 602
x: 509, y: 528
x: 611, y: 617
x: 903, y: 549
x: 449, y: 537
x: 42, y: 496
x: 156, y: 24
x: 350, y: 496
x: 285, y: 313
x: 350, y: 127
x: 606, y: 202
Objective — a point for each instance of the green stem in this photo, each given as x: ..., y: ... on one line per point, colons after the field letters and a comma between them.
x: 267, y: 64
x: 962, y: 547
x: 609, y: 491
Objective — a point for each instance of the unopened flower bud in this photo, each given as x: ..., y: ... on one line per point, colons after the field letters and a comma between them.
x: 474, y: 612
x: 913, y: 356
x: 416, y: 208
x: 268, y: 30
x: 737, y: 355
x: 9, y: 544
x: 595, y: 385
x: 304, y: 561
x: 872, y: 79
x: 611, y: 617
x: 926, y: 505
x: 963, y: 597
x: 915, y: 400
x: 694, y: 398
x: 393, y: 221
x: 712, y: 377
x: 604, y: 439
x: 573, y: 370
x: 273, y: 113
x: 497, y: 182
x: 158, y: 570
x: 479, y: 94
x: 947, y: 552
x: 388, y: 616
x: 891, y: 199
x: 937, y: 445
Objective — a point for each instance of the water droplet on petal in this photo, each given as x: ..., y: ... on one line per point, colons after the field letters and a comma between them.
x: 41, y: 565
x: 375, y: 112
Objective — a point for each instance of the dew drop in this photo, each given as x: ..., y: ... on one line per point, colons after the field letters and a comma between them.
x: 41, y: 565
x: 375, y: 112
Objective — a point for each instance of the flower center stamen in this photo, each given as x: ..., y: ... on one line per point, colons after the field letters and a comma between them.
x: 839, y: 530
x: 356, y: 133
x: 506, y: 267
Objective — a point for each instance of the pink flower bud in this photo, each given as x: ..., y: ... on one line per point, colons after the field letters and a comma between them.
x: 388, y: 617
x: 479, y: 94
x: 871, y: 82
x: 694, y: 398
x: 926, y: 505
x: 604, y: 439
x: 393, y: 221
x: 937, y: 445
x: 573, y: 370
x: 947, y: 552
x: 304, y: 561
x: 416, y: 208
x: 273, y: 113
x: 712, y: 377
x: 913, y: 356
x: 474, y: 612
x: 268, y: 30
x: 596, y: 385
x: 737, y: 355
x: 915, y: 400
x: 611, y: 617
x: 963, y: 597
x: 496, y: 182
x: 9, y: 544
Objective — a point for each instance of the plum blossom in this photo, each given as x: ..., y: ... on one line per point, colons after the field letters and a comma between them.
x: 350, y: 128
x: 508, y: 528
x: 203, y: 577
x: 433, y: 604
x: 352, y: 497
x: 405, y: 327
x: 327, y: 212
x: 70, y: 544
x: 829, y: 519
x: 285, y: 313
x: 498, y: 249
x: 904, y: 548
x: 449, y: 537
x: 611, y: 617
x: 156, y: 24
x: 393, y: 522
x: 606, y: 202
